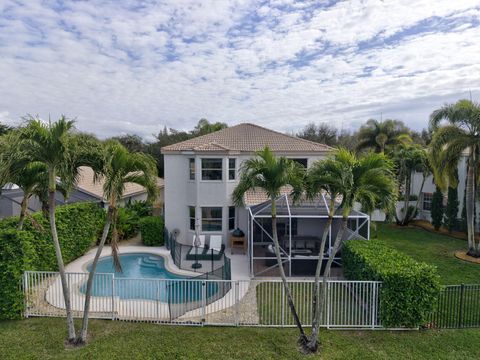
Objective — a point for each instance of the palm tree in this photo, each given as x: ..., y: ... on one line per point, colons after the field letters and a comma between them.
x: 322, y: 178
x: 270, y: 173
x: 119, y: 168
x: 379, y: 135
x: 368, y: 180
x: 53, y: 146
x: 449, y: 144
x: 32, y: 178
x: 409, y: 158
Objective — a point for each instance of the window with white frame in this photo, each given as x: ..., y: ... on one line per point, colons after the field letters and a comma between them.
x: 211, y: 219
x: 191, y: 214
x: 191, y: 168
x: 231, y: 217
x: 212, y: 169
x: 232, y: 169
x: 427, y: 201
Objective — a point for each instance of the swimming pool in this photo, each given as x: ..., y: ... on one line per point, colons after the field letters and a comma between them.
x: 144, y: 276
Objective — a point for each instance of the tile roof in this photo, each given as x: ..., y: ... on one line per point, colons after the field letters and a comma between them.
x: 259, y: 196
x: 86, y: 184
x: 246, y: 137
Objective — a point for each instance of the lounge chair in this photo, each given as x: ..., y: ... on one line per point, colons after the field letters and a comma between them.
x: 212, y: 252
x: 215, y: 242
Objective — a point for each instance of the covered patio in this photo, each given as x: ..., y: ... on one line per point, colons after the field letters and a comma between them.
x: 300, y: 227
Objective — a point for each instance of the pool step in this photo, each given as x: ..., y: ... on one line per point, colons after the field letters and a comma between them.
x: 149, y: 262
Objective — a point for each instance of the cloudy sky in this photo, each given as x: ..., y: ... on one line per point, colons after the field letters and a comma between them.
x: 137, y: 66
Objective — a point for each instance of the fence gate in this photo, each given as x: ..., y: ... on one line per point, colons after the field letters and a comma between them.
x: 458, y: 306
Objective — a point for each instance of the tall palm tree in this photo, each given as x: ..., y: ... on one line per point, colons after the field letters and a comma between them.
x: 461, y: 135
x: 270, y: 173
x: 53, y: 146
x: 368, y: 180
x: 119, y: 167
x: 323, y: 178
x: 379, y: 135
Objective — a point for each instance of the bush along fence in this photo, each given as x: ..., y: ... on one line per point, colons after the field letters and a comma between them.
x: 409, y: 288
x: 32, y: 248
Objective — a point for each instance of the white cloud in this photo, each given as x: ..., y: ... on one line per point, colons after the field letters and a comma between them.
x: 121, y: 68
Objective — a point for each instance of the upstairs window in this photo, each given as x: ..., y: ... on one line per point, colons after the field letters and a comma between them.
x: 212, y: 169
x: 211, y: 219
x: 427, y: 201
x: 232, y: 169
x: 191, y: 168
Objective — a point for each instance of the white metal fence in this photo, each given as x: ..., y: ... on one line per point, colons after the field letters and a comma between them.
x: 348, y: 304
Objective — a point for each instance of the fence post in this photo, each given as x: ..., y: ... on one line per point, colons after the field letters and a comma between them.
x: 25, y: 293
x: 327, y: 294
x: 283, y: 305
x: 373, y: 308
x: 236, y: 297
x: 158, y: 299
x: 204, y: 301
x: 460, y: 309
x: 113, y: 296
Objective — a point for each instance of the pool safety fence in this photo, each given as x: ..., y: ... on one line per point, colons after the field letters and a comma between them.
x: 348, y: 304
x: 209, y: 263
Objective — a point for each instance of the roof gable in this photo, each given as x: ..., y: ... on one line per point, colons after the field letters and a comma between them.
x: 246, y: 137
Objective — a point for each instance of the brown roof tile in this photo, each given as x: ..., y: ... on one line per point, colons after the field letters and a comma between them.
x: 85, y: 183
x: 247, y: 137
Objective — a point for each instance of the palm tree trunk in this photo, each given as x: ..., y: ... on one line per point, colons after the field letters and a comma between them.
x: 82, y: 338
x: 303, y: 338
x: 406, y: 199
x: 420, y: 192
x: 470, y: 199
x: 23, y: 211
x: 318, y: 293
x: 58, y: 253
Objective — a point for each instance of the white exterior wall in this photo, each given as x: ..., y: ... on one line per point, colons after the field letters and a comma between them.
x: 429, y: 187
x: 180, y: 192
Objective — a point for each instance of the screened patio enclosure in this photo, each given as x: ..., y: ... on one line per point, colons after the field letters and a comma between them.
x: 300, y: 228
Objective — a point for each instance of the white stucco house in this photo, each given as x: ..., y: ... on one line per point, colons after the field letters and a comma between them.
x: 201, y: 174
x: 426, y: 194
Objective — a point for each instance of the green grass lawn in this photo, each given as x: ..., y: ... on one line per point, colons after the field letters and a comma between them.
x: 434, y: 249
x: 42, y: 339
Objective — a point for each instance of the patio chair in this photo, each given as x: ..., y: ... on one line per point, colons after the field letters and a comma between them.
x: 216, y: 242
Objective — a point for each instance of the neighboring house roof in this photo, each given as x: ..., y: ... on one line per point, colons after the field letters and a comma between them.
x: 247, y: 137
x: 88, y: 185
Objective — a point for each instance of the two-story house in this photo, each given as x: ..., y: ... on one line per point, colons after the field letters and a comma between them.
x: 201, y: 174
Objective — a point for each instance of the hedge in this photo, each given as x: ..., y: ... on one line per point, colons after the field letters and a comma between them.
x: 409, y: 288
x: 78, y: 226
x: 152, y: 230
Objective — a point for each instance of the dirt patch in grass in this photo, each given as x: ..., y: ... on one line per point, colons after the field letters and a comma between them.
x: 460, y: 254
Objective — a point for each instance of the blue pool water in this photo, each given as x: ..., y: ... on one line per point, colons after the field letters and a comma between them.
x: 139, y: 280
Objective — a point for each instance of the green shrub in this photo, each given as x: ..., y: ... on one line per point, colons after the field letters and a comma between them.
x: 437, y: 209
x: 409, y: 288
x: 152, y: 229
x: 142, y: 208
x: 78, y: 226
x: 17, y: 255
x: 127, y: 224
